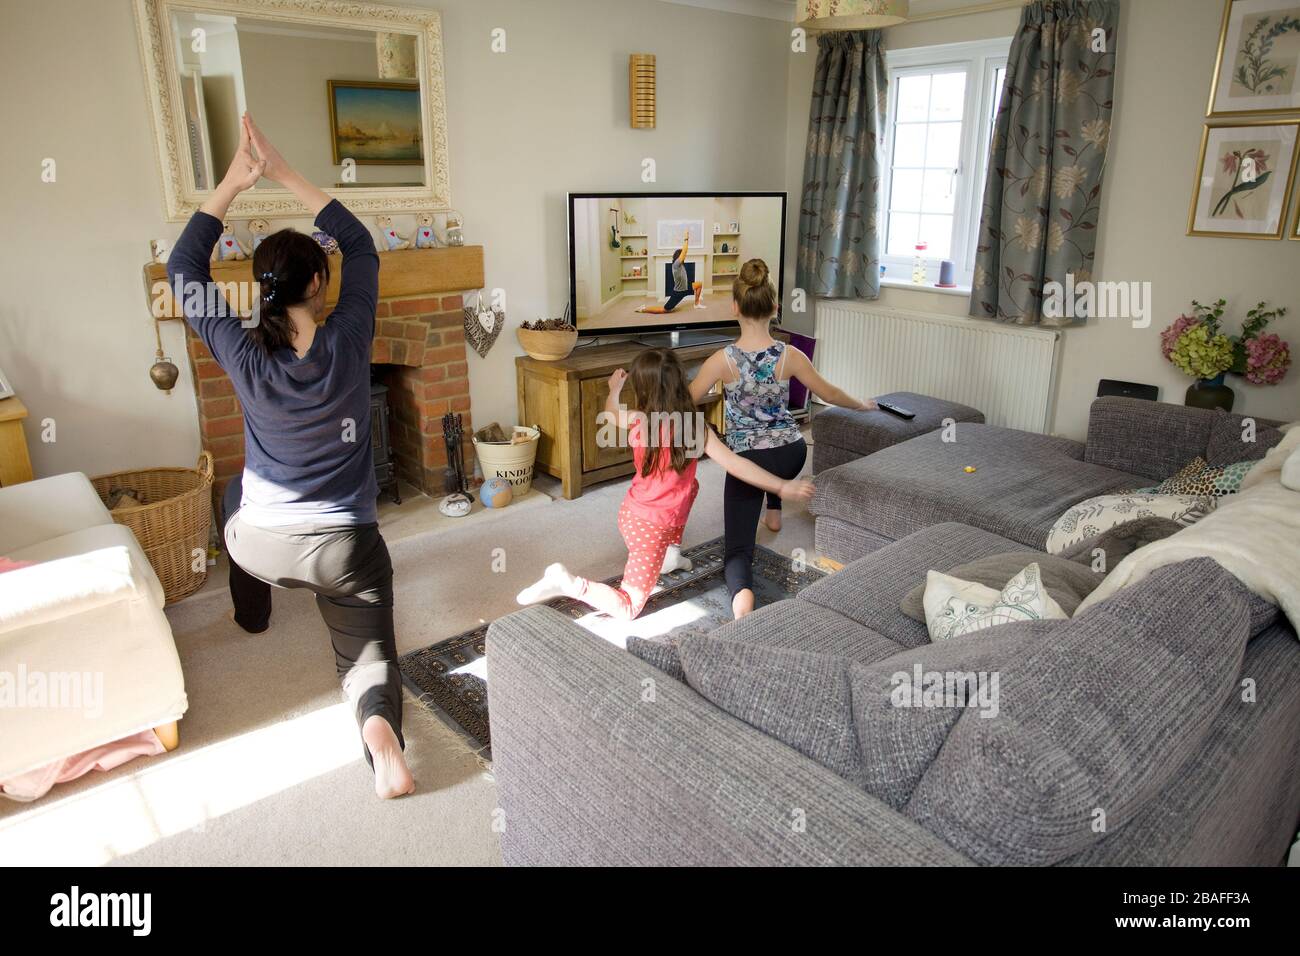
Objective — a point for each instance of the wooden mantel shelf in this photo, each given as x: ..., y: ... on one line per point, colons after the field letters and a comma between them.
x: 404, y: 272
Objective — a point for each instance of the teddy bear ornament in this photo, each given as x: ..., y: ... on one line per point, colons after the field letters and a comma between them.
x: 393, y: 240
x: 425, y: 237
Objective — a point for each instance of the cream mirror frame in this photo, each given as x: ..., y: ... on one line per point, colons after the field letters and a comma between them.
x: 162, y: 79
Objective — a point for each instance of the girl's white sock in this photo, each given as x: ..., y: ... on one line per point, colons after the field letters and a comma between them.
x: 556, y: 582
x: 673, y: 560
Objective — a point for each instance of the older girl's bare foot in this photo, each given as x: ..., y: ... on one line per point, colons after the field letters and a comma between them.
x: 392, y: 776
x: 742, y: 604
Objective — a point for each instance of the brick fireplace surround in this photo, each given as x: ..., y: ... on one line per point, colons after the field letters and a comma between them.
x: 418, y: 352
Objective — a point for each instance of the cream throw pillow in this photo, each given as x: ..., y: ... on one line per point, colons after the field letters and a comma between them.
x: 954, y: 607
x: 1091, y: 517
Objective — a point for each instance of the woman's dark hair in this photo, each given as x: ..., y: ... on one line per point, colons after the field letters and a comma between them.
x: 659, y: 381
x: 284, y: 263
x: 753, y: 291
x: 677, y: 254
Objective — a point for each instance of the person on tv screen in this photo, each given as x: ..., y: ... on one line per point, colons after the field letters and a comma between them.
x: 682, y: 286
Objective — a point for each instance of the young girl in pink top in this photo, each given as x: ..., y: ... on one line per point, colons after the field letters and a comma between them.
x: 654, y: 512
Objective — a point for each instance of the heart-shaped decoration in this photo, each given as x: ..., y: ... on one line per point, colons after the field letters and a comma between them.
x: 482, y: 325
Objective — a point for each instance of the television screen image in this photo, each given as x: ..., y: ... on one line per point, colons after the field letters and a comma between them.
x: 666, y: 261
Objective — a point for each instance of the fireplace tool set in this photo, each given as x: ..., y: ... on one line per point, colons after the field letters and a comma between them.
x: 458, y: 501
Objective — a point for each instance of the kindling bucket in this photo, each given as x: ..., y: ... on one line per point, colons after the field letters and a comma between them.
x: 512, y: 462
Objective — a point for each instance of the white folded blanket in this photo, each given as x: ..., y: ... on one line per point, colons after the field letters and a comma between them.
x: 1254, y: 534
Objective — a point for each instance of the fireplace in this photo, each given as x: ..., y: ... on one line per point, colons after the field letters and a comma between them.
x: 418, y: 355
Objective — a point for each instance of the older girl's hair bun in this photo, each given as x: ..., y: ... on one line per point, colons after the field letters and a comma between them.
x: 754, y: 292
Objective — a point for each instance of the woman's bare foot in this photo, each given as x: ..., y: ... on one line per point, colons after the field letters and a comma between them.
x: 392, y: 776
x: 773, y: 519
x: 556, y: 582
x: 673, y: 560
x: 742, y: 603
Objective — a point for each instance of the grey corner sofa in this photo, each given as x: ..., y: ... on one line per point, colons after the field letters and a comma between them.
x: 1120, y: 737
x: 1022, y: 481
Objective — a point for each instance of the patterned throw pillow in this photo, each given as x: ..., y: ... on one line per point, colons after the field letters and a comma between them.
x: 1199, y: 478
x: 1090, y: 518
x: 954, y: 607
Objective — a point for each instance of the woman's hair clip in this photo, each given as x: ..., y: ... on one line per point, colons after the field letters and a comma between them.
x: 268, y: 277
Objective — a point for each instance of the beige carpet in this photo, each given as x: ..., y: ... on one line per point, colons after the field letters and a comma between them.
x: 269, y: 771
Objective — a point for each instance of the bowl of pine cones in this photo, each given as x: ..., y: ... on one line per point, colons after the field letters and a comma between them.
x: 547, y: 340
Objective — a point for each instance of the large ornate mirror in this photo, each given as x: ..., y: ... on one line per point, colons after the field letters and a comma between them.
x: 351, y: 93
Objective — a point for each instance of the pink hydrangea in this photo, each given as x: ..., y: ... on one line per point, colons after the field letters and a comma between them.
x: 1169, y: 337
x: 1267, y: 359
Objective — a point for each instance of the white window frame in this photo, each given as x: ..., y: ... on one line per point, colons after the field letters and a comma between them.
x: 980, y: 59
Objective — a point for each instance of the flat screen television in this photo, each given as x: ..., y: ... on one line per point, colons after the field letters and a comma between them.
x: 621, y: 259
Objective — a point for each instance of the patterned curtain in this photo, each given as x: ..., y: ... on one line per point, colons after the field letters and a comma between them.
x: 839, y: 244
x: 1042, y: 198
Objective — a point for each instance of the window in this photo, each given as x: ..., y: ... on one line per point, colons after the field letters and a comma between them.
x: 942, y: 101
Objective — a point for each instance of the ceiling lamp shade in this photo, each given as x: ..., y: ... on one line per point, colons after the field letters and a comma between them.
x: 850, y: 14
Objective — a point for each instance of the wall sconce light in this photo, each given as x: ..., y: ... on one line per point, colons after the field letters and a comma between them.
x: 641, y: 90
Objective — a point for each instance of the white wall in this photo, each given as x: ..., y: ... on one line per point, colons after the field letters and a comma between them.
x: 525, y: 127
x: 1166, y: 60
x: 550, y: 116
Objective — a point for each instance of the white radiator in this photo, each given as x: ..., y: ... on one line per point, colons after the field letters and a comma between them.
x: 1007, y: 372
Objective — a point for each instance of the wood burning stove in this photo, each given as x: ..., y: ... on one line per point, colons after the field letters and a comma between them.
x: 385, y: 467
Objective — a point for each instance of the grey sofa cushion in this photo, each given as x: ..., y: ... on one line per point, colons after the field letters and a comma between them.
x: 798, y: 697
x: 1148, y: 439
x: 1236, y: 799
x: 1226, y: 445
x: 789, y: 624
x: 1021, y: 484
x: 869, y: 590
x: 1099, y: 718
x: 864, y: 433
x: 1117, y: 543
x: 658, y: 652
x: 1068, y: 582
x: 897, y: 739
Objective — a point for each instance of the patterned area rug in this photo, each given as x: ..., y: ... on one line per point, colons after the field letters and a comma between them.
x: 449, y: 677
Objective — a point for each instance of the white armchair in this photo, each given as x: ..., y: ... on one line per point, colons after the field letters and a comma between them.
x: 86, y: 653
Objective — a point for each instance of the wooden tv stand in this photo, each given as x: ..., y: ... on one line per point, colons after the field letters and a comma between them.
x: 563, y: 399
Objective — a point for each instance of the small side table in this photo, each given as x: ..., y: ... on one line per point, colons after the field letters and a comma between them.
x: 15, y: 464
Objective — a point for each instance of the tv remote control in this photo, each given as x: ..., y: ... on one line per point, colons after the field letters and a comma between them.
x: 898, y: 410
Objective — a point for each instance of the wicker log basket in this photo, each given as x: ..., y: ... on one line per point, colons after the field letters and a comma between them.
x: 172, y: 522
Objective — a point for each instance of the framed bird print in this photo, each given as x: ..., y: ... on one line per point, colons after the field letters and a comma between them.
x: 1258, y: 69
x: 1244, y: 179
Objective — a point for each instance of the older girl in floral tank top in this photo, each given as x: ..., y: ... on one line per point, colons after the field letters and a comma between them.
x: 755, y: 373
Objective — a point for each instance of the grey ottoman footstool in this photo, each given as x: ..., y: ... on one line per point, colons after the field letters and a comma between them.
x: 840, y: 435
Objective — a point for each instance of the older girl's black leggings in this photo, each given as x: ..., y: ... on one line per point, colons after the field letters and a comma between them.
x: 742, y: 505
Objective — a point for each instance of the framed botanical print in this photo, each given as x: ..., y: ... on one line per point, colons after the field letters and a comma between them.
x: 1258, y: 69
x: 1244, y: 179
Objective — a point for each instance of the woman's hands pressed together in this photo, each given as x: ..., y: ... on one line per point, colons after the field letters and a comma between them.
x: 244, y: 172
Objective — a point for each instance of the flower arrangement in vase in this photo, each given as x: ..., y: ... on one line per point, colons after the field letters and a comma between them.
x: 1197, y: 346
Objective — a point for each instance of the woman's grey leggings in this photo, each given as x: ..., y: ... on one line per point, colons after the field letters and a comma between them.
x: 348, y: 568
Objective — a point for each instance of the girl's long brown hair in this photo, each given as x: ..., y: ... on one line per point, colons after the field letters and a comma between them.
x: 660, y: 385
